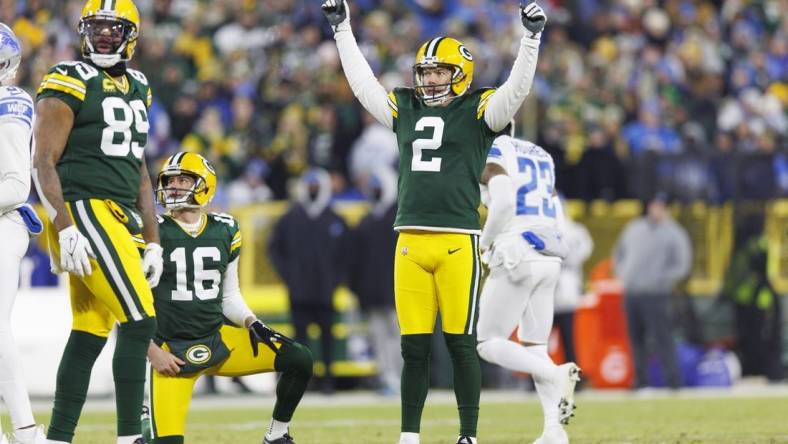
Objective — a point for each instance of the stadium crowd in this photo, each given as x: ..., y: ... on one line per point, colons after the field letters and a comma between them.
x: 697, y: 88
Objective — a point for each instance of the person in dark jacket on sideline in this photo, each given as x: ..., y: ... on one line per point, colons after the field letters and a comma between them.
x: 306, y: 250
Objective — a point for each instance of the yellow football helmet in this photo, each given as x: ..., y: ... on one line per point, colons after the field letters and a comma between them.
x: 122, y: 21
x: 449, y: 53
x: 190, y: 164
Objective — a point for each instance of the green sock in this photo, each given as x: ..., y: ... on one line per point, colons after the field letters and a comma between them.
x: 73, y: 377
x: 467, y: 379
x: 295, y: 363
x: 415, y: 379
x: 128, y: 369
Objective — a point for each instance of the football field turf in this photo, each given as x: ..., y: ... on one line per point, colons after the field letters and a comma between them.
x: 506, y: 418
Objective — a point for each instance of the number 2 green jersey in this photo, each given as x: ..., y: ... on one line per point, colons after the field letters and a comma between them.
x: 188, y: 299
x: 442, y: 153
x: 104, y: 150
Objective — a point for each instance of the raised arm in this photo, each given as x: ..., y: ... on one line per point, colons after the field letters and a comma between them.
x: 504, y: 103
x: 362, y: 80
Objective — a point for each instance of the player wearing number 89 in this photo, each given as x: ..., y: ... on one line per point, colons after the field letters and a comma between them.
x: 198, y: 289
x: 444, y: 130
x: 89, y: 169
x: 523, y: 247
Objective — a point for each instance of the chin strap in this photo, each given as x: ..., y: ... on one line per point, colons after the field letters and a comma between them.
x: 117, y: 69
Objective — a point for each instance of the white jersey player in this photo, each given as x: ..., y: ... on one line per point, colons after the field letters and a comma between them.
x: 522, y: 246
x: 16, y: 220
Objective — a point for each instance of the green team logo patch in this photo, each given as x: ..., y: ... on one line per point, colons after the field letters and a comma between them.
x: 198, y: 354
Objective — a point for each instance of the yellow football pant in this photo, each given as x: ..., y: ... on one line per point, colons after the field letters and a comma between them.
x: 116, y: 289
x: 437, y: 272
x: 170, y: 396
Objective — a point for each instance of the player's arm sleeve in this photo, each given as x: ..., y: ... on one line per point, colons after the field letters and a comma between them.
x: 501, y: 208
x: 234, y: 307
x: 63, y: 84
x: 15, y: 159
x: 501, y: 106
x: 365, y: 86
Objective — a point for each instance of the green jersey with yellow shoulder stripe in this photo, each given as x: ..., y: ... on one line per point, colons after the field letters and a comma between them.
x: 104, y: 150
x: 188, y: 299
x: 442, y: 150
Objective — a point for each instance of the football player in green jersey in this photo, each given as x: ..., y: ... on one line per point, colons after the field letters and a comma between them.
x: 198, y: 289
x: 91, y: 129
x: 444, y: 130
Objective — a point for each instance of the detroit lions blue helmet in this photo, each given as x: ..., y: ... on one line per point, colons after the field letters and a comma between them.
x: 10, y: 53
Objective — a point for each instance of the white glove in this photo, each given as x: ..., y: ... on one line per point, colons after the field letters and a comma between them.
x: 75, y: 252
x: 152, y: 263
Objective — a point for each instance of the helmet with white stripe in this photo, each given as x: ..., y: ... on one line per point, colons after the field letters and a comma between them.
x: 443, y: 52
x: 194, y: 166
x: 109, y: 30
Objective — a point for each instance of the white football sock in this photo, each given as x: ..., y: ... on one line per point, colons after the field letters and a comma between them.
x: 546, y: 386
x: 12, y: 386
x: 277, y: 429
x: 408, y: 438
x: 128, y: 439
x: 50, y: 441
x: 513, y: 356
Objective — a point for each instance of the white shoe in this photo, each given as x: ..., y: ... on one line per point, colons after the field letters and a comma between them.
x: 39, y: 437
x: 553, y: 435
x: 568, y: 377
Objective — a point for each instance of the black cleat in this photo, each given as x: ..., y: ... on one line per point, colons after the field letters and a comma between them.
x: 285, y: 439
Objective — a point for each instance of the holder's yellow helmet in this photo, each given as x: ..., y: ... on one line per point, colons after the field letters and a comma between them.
x: 446, y: 52
x: 191, y: 164
x: 122, y: 20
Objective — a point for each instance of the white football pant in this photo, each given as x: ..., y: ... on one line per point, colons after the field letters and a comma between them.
x: 12, y: 388
x: 519, y: 292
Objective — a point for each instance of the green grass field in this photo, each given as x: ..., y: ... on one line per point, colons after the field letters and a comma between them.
x: 601, y: 418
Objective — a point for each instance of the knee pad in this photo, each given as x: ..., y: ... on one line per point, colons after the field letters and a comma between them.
x: 138, y: 331
x: 461, y: 347
x: 294, y: 358
x: 416, y: 348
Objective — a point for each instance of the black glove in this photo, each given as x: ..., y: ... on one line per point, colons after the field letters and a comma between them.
x: 533, y: 17
x: 337, y: 14
x: 259, y: 332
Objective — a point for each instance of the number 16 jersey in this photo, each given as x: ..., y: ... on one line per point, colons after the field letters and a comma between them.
x: 188, y: 299
x: 103, y: 153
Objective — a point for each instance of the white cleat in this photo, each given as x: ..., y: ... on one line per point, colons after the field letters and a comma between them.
x: 569, y: 376
x: 39, y: 437
x: 553, y: 435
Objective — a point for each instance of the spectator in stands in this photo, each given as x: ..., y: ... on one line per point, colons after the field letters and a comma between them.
x: 306, y: 248
x: 652, y: 254
x: 371, y: 274
x: 570, y: 281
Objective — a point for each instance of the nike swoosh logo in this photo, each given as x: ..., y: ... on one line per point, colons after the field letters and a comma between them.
x: 61, y: 71
x: 452, y: 251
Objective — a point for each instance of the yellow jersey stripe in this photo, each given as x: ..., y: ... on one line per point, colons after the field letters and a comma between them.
x: 235, y: 246
x: 149, y: 99
x: 75, y: 82
x: 57, y: 85
x: 485, y: 99
x: 392, y: 101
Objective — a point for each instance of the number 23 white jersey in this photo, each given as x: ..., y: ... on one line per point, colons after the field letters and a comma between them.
x: 532, y: 172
